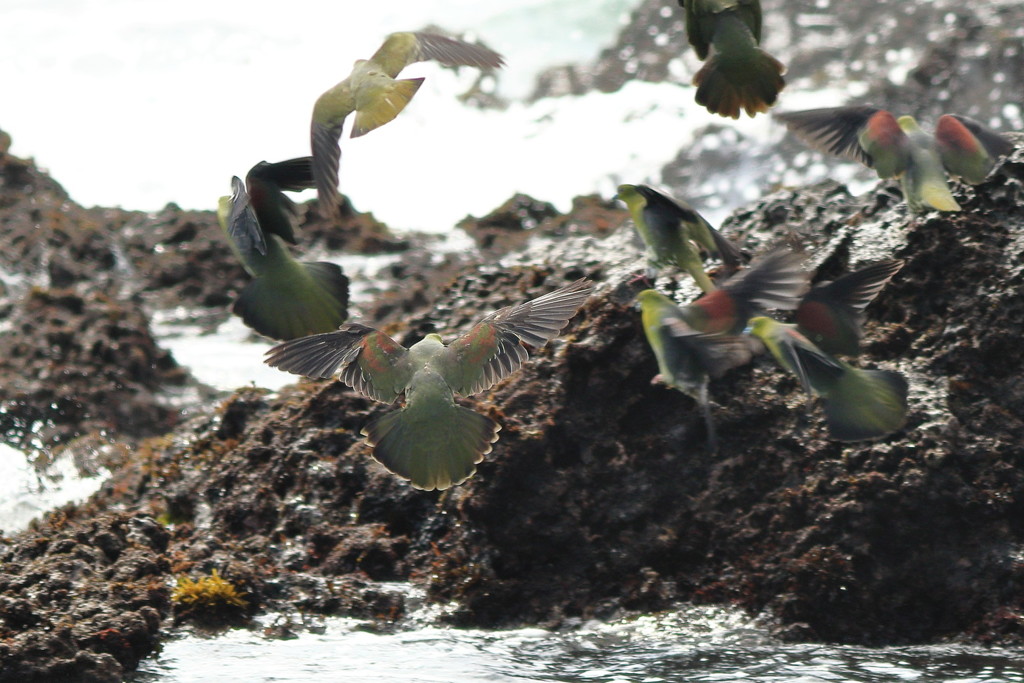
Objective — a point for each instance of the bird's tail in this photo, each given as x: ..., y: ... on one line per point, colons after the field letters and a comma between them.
x: 937, y: 195
x: 385, y: 106
x: 866, y: 404
x: 726, y: 84
x: 434, y: 448
x: 295, y: 301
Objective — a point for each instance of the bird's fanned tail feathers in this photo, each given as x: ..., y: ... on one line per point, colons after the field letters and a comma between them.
x: 725, y: 88
x: 385, y: 107
x: 431, y: 451
x: 313, y: 299
x: 866, y: 404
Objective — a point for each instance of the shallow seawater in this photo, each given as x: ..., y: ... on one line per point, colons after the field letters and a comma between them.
x: 28, y: 491
x: 694, y: 644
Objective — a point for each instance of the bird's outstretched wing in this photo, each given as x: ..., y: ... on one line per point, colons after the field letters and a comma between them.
x: 711, y: 354
x: 293, y: 175
x: 402, y: 49
x: 324, y: 137
x: 660, y: 206
x: 369, y: 361
x: 242, y: 226
x: 830, y: 314
x: 968, y: 149
x: 493, y: 349
x: 266, y: 183
x: 838, y: 130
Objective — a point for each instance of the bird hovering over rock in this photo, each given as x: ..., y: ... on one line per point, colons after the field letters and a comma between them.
x: 287, y: 298
x: 831, y: 314
x: 859, y: 404
x: 688, y: 359
x: 432, y: 441
x: 674, y: 234
x: 376, y: 97
x: 738, y: 74
x: 899, y: 148
x: 700, y: 341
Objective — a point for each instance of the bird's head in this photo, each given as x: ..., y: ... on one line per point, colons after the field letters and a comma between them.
x: 908, y: 124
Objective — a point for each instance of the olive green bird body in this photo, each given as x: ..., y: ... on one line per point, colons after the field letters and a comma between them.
x: 831, y: 314
x: 737, y: 73
x: 687, y: 358
x: 432, y: 441
x: 286, y: 298
x: 373, y: 91
x: 674, y: 233
x: 859, y: 404
x: 899, y: 148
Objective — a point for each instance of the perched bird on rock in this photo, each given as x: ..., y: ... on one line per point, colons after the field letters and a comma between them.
x: 831, y: 314
x: 859, y: 404
x: 898, y: 148
x: 287, y: 298
x: 700, y: 341
x: 432, y: 441
x: 738, y: 74
x: 376, y: 97
x: 675, y: 233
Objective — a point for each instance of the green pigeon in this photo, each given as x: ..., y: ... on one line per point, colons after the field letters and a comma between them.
x: 776, y: 280
x: 738, y: 74
x: 675, y: 233
x: 859, y: 404
x: 376, y: 97
x: 432, y: 441
x: 831, y: 314
x: 899, y: 148
x: 287, y: 298
x: 687, y: 359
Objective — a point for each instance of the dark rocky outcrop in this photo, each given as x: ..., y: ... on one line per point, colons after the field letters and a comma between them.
x: 599, y: 497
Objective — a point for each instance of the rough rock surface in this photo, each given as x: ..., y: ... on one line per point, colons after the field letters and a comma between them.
x: 599, y: 497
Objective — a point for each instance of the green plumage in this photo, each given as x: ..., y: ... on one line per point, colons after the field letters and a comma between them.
x: 675, y: 234
x: 432, y: 441
x: 899, y: 148
x: 737, y: 73
x: 286, y: 298
x: 373, y: 93
x: 687, y: 359
x: 859, y: 404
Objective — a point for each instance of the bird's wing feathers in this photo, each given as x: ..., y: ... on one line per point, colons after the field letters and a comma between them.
x: 402, y: 49
x: 716, y: 353
x: 659, y: 205
x: 857, y: 289
x: 326, y: 160
x: 242, y: 226
x: 369, y: 361
x: 834, y: 130
x: 293, y: 175
x: 968, y: 149
x: 492, y: 349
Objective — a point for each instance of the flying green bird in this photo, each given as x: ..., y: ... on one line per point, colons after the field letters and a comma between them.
x: 776, y: 280
x: 376, y: 97
x: 675, y: 233
x: 432, y: 441
x: 287, y: 298
x: 831, y: 314
x: 899, y: 148
x: 738, y: 74
x: 859, y: 404
x: 687, y: 359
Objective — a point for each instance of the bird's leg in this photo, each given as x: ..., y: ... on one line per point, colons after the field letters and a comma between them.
x: 709, y: 422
